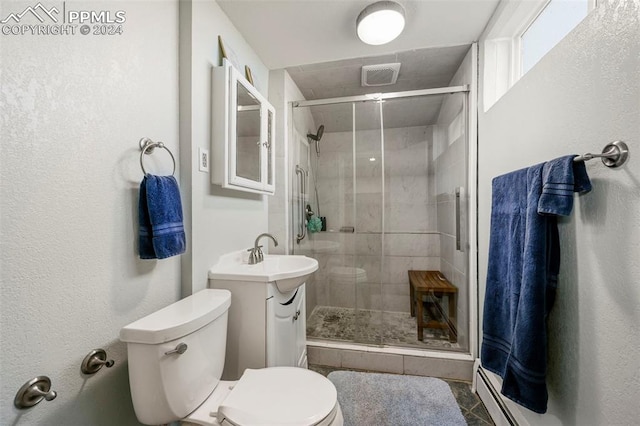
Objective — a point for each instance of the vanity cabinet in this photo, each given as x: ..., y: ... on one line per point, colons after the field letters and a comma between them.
x: 243, y: 134
x: 265, y: 328
x: 286, y: 329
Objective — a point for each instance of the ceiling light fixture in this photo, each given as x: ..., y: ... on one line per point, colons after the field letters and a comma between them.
x: 380, y: 22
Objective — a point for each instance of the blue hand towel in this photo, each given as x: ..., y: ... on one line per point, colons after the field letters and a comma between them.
x: 161, y: 232
x: 524, y: 262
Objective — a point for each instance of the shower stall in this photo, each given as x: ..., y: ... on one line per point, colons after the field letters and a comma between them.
x: 381, y: 190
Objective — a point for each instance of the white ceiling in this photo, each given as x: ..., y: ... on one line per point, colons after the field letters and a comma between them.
x: 315, y: 40
x: 287, y: 33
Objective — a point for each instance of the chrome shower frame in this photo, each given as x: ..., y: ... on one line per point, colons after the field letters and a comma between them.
x: 471, y: 123
x: 382, y: 96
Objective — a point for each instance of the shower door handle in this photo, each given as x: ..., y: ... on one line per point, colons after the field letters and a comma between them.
x: 459, y: 191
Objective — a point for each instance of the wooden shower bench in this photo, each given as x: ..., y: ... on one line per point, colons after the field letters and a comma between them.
x: 425, y: 283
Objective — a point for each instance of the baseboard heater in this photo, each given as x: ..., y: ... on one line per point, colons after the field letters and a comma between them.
x: 492, y: 400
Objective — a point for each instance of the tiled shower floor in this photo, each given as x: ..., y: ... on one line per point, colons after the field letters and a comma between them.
x: 364, y: 326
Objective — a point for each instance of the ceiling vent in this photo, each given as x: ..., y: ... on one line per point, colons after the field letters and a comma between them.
x: 380, y: 75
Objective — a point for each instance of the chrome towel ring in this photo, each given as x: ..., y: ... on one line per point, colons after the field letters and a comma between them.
x: 147, y: 146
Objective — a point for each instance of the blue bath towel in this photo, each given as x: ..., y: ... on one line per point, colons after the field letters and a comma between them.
x: 522, y: 276
x: 161, y: 232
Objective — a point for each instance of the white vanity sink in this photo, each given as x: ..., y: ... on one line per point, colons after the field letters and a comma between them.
x: 287, y: 271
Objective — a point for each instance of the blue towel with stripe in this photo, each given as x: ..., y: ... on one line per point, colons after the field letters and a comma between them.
x: 522, y: 275
x: 161, y: 232
x: 560, y: 179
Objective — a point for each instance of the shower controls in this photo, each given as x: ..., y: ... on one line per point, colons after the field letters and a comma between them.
x: 308, y: 213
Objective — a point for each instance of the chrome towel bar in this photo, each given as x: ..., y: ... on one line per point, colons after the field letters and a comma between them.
x: 613, y: 155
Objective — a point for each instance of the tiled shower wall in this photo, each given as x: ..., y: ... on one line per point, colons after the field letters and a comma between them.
x: 411, y: 239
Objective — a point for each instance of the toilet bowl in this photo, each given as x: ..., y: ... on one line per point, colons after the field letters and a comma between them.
x: 176, y: 358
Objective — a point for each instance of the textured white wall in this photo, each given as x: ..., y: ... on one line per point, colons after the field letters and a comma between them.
x: 583, y: 94
x: 222, y: 220
x: 72, y: 111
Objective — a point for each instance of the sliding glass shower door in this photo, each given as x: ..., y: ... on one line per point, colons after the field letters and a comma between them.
x: 367, y: 202
x: 383, y: 180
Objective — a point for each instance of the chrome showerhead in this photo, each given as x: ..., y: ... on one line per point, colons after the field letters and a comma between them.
x: 317, y: 137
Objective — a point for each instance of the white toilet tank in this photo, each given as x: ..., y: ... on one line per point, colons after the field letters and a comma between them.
x: 167, y: 387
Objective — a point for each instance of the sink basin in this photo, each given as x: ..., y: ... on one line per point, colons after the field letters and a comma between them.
x: 287, y: 272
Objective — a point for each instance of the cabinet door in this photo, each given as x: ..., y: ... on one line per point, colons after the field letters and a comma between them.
x: 286, y: 333
x: 301, y: 330
x: 284, y: 336
x: 243, y: 134
x: 246, y: 150
x: 270, y: 151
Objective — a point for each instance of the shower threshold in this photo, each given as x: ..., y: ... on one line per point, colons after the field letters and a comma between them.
x: 374, y: 328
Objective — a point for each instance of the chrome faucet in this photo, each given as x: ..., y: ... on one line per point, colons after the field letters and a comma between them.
x: 255, y: 253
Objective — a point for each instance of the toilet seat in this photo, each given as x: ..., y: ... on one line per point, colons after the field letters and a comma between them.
x: 278, y: 396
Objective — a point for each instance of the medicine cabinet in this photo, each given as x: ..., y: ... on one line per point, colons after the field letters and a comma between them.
x: 242, y: 146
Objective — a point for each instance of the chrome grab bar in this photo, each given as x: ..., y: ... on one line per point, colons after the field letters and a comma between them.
x: 301, y: 192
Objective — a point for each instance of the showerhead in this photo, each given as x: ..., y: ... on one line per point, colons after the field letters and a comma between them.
x: 317, y: 138
x: 318, y: 135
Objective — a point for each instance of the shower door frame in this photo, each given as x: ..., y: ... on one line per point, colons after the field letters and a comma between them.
x: 383, y: 96
x: 472, y: 210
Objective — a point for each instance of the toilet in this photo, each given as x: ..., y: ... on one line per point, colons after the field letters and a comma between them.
x: 176, y: 357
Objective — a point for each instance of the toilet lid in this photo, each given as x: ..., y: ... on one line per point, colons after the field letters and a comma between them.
x: 279, y: 396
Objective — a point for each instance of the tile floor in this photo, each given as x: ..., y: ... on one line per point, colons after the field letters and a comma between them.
x: 365, y: 326
x: 471, y: 407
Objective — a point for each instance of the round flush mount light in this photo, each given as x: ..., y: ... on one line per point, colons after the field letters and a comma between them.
x: 380, y: 22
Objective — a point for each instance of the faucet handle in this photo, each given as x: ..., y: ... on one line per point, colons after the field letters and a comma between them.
x: 255, y: 255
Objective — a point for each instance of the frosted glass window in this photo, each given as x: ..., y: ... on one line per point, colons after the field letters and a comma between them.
x: 555, y: 21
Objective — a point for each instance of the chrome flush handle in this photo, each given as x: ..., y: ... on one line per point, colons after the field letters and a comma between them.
x: 180, y: 349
